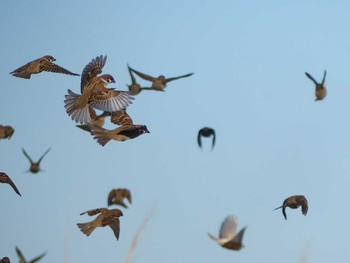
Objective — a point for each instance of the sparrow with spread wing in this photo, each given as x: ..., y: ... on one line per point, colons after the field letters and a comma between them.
x: 158, y: 83
x: 34, y: 166
x: 206, y: 132
x: 117, y: 196
x: 134, y: 87
x: 106, y: 217
x: 6, y: 132
x: 23, y: 260
x: 5, y: 179
x: 40, y: 65
x: 320, y: 91
x: 294, y: 202
x: 126, y: 131
x: 94, y: 93
x: 228, y: 237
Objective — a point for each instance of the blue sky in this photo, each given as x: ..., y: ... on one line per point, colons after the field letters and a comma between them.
x: 273, y: 139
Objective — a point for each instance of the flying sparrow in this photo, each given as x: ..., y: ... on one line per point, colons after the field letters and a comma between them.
x: 134, y: 88
x: 116, y: 196
x: 6, y: 132
x: 294, y: 202
x: 94, y: 93
x: 23, y: 260
x: 34, y: 166
x: 228, y: 237
x: 206, y: 132
x: 40, y: 65
x: 126, y: 131
x: 106, y: 218
x: 158, y: 83
x: 5, y: 179
x: 321, y: 91
x: 98, y: 120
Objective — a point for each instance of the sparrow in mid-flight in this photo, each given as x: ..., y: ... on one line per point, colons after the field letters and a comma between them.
x: 5, y: 179
x: 40, y: 65
x: 94, y: 93
x: 158, y: 83
x: 106, y: 218
x: 117, y: 196
x: 321, y: 91
x: 294, y: 202
x: 34, y: 166
x: 206, y: 132
x: 6, y: 132
x: 228, y: 236
x: 23, y: 260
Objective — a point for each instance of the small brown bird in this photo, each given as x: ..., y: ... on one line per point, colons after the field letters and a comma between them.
x: 106, y: 218
x: 158, y: 83
x: 94, y: 93
x: 5, y: 179
x: 5, y: 260
x: 34, y: 166
x: 206, y: 132
x: 126, y: 131
x: 6, y: 132
x: 134, y: 88
x: 321, y: 91
x: 98, y: 120
x: 294, y: 202
x: 228, y: 237
x: 116, y: 196
x: 40, y: 65
x: 23, y: 260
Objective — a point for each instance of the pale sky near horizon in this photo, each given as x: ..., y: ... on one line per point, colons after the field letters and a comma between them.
x: 273, y: 139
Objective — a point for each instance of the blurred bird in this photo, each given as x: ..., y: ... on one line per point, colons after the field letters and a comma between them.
x: 5, y: 179
x: 98, y: 120
x: 294, y: 202
x: 126, y: 131
x: 23, y: 260
x: 134, y: 88
x: 116, y: 196
x: 106, y: 218
x: 34, y: 166
x: 228, y: 237
x: 321, y: 91
x: 5, y: 260
x: 40, y: 65
x: 94, y: 93
x: 206, y: 132
x: 6, y: 132
x: 158, y: 83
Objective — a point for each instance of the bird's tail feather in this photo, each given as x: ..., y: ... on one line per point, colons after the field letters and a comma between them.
x: 87, y: 228
x: 81, y: 115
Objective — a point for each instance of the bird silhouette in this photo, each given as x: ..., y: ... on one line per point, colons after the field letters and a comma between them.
x: 39, y: 65
x: 6, y: 132
x: 117, y: 196
x: 320, y: 91
x: 206, y: 132
x: 5, y: 179
x: 134, y: 87
x: 228, y: 237
x: 5, y: 260
x: 158, y: 83
x: 23, y: 260
x: 294, y: 202
x: 106, y: 218
x: 34, y: 166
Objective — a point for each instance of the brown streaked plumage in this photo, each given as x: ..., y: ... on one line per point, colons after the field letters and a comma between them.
x: 228, y: 236
x: 126, y: 131
x: 5, y: 260
x: 320, y: 91
x: 106, y: 218
x: 206, y: 132
x: 39, y: 65
x: 34, y: 166
x: 94, y: 93
x: 117, y: 196
x: 5, y: 179
x: 294, y: 202
x: 98, y: 120
x: 23, y: 260
x: 158, y: 83
x: 6, y: 132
